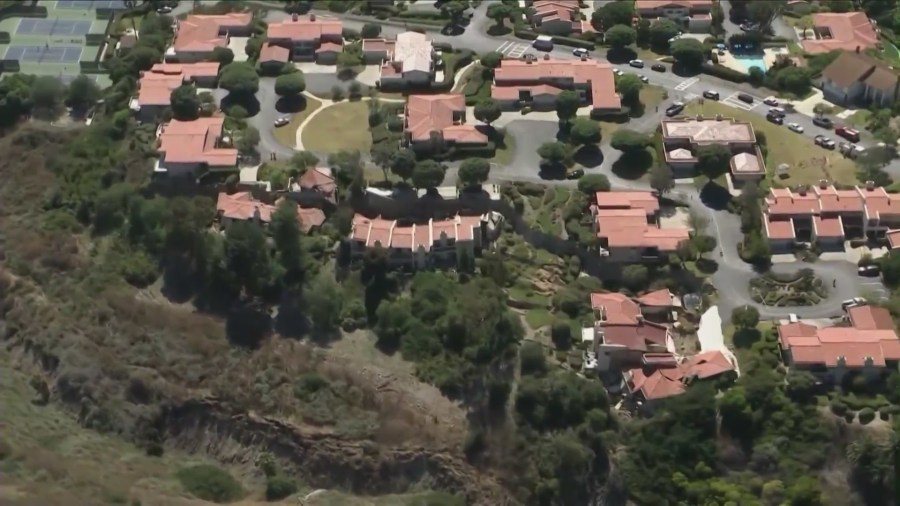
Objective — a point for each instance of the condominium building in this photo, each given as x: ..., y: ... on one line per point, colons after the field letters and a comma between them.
x: 198, y: 35
x: 186, y: 147
x: 627, y: 224
x: 242, y: 206
x: 408, y: 60
x: 156, y: 85
x: 847, y: 31
x: 537, y: 83
x: 558, y: 17
x: 692, y: 15
x: 439, y: 121
x: 683, y: 137
x: 829, y: 216
x: 309, y: 38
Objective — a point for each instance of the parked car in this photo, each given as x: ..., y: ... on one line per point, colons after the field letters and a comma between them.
x: 823, y: 141
x: 774, y: 118
x: 658, y: 67
x: 850, y: 150
x: 770, y: 100
x: 638, y: 64
x: 778, y: 111
x: 674, y: 109
x: 745, y: 97
x: 575, y: 174
x: 165, y: 9
x: 543, y: 43
x: 618, y: 72
x: 581, y: 52
x: 645, y: 79
x: 795, y: 127
x: 855, y: 301
x: 869, y: 270
x: 280, y: 122
x: 823, y: 122
x: 847, y: 133
x: 712, y: 95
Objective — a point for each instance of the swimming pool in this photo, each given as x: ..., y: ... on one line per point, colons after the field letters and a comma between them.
x: 750, y: 61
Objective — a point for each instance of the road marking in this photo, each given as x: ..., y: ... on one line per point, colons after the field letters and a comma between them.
x: 683, y: 85
x: 513, y: 49
x: 691, y: 96
x: 737, y: 103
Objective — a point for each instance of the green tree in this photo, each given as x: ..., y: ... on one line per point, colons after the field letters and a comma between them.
x: 247, y: 140
x: 661, y: 31
x: 629, y: 141
x: 239, y: 78
x: 223, y: 55
x: 286, y: 234
x: 454, y: 10
x: 690, y: 53
x: 593, y: 183
x: 499, y: 12
x: 82, y: 93
x: 561, y: 334
x: 474, y: 171
x: 47, y: 93
x: 629, y: 86
x: 795, y: 80
x: 567, y: 104
x: 890, y: 269
x: 279, y: 487
x: 370, y: 31
x: 763, y: 13
x: 745, y: 317
x: 555, y: 154
x: 713, y: 160
x: 253, y: 47
x: 185, y: 103
x: 533, y: 359
x: 491, y: 60
x: 584, y: 131
x: 487, y: 110
x: 635, y: 277
x: 427, y: 174
x: 290, y: 85
x: 324, y: 302
x: 303, y: 160
x: 612, y: 14
x: 620, y: 36
x: 403, y: 163
x: 704, y: 243
x: 210, y: 483
x: 805, y: 492
x: 661, y: 179
x: 382, y: 153
x: 642, y: 32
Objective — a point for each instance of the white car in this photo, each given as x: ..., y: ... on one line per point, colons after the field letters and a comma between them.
x: 771, y: 101
x: 855, y: 301
x: 618, y: 72
x: 580, y: 51
x: 638, y: 64
x: 280, y: 122
x: 795, y: 127
x: 644, y: 79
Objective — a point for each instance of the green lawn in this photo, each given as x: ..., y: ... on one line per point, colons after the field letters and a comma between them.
x: 538, y: 317
x: 809, y: 163
x: 287, y: 134
x: 504, y: 154
x: 343, y: 126
x: 859, y: 118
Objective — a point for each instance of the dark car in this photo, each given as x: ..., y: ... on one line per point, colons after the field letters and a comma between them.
x: 659, y: 67
x: 575, y: 174
x: 869, y: 270
x: 822, y: 121
x: 744, y: 97
x: 774, y: 118
x: 712, y: 95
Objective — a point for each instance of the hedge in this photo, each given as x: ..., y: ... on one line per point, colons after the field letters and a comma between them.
x: 838, y: 407
x: 94, y: 39
x: 486, y: 151
x: 866, y: 415
x: 725, y: 73
x: 11, y: 65
x: 464, y: 58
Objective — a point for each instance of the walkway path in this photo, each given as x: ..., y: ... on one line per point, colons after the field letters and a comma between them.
x: 326, y: 103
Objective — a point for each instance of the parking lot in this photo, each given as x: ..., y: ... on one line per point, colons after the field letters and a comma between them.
x: 513, y: 49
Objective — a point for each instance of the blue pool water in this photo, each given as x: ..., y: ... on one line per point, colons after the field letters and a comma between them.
x: 749, y: 62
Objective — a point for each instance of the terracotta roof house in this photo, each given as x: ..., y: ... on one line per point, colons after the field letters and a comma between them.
x: 558, y: 17
x: 694, y: 15
x: 242, y: 206
x: 536, y: 83
x: 319, y: 180
x: 848, y: 31
x: 199, y: 34
x: 869, y: 345
x: 828, y: 215
x: 440, y: 118
x: 188, y: 146
x: 856, y: 78
x: 627, y: 225
x: 273, y: 55
x: 418, y: 245
x: 156, y: 85
x: 683, y: 137
x: 309, y: 38
x: 893, y: 238
x: 661, y: 376
x: 409, y: 60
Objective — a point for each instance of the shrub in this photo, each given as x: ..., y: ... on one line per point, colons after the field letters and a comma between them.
x: 210, y: 483
x: 866, y: 415
x: 279, y: 487
x: 725, y: 73
x: 838, y: 407
x: 887, y: 411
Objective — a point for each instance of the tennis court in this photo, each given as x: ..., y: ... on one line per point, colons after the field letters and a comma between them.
x: 53, y: 27
x: 90, y: 4
x: 44, y: 54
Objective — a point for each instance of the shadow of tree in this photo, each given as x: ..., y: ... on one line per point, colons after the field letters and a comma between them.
x: 621, y: 55
x: 248, y: 102
x: 633, y: 166
x: 247, y: 324
x: 744, y: 338
x: 498, y: 30
x: 552, y: 171
x: 590, y: 156
x: 291, y: 105
x: 714, y: 196
x: 707, y: 265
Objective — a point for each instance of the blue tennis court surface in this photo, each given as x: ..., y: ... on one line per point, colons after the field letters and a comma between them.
x: 32, y: 26
x: 61, y: 54
x: 90, y: 4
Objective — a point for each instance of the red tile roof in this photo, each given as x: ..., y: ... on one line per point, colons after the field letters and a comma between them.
x: 779, y: 228
x: 627, y: 200
x: 656, y: 4
x: 847, y: 31
x: 598, y: 76
x: 305, y: 29
x: 203, y: 33
x: 828, y: 227
x: 662, y: 382
x: 893, y: 237
x: 435, y: 113
x: 194, y: 142
x: 321, y: 180
x: 381, y: 232
x: 616, y: 308
x: 629, y: 228
x: 875, y: 204
x: 274, y: 53
x: 242, y: 206
x: 156, y: 85
x: 658, y: 298
x: 637, y: 337
x: 871, y: 337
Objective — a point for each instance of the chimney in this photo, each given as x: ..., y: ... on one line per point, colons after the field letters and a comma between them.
x: 718, y: 117
x: 546, y: 56
x: 857, y: 49
x: 639, y: 318
x: 801, y: 191
x: 823, y: 183
x: 294, y: 17
x: 312, y: 16
x: 870, y: 185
